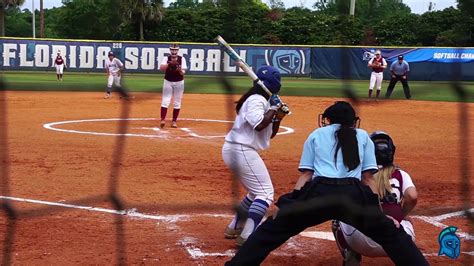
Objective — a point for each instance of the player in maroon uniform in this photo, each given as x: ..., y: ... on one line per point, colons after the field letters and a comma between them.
x: 398, y: 196
x: 60, y: 66
x: 174, y: 66
x: 378, y: 65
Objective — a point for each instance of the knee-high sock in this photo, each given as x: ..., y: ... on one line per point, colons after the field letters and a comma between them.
x: 256, y: 213
x: 164, y: 110
x: 242, y: 213
x: 109, y: 89
x: 175, y: 114
x: 378, y: 93
x: 370, y: 93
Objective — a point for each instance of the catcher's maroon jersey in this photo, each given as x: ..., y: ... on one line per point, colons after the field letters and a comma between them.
x: 394, y: 208
x: 172, y: 73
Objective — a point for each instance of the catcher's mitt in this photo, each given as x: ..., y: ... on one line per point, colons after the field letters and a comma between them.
x: 173, y: 63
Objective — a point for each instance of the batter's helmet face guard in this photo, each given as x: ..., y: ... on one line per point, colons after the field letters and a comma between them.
x: 270, y: 76
x: 174, y: 48
x: 384, y: 148
x: 340, y: 112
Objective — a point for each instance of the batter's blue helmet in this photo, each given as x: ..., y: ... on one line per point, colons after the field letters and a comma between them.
x: 270, y: 76
x: 384, y: 148
x: 111, y: 54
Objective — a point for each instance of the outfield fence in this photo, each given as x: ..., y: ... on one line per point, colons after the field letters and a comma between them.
x: 321, y: 62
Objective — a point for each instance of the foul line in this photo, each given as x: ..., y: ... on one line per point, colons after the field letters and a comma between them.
x: 436, y: 221
x: 172, y: 218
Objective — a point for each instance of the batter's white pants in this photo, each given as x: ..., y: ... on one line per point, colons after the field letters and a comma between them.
x: 175, y: 89
x: 113, y: 79
x: 59, y: 69
x: 364, y: 245
x: 376, y: 80
x: 247, y: 165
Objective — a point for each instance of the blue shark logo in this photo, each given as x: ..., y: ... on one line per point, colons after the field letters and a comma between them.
x: 449, y: 243
x: 287, y: 61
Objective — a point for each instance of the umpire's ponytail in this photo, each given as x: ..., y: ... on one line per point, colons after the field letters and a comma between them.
x: 342, y: 113
x: 347, y: 141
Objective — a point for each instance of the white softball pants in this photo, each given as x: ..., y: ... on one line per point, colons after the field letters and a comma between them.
x: 59, y: 69
x: 172, y: 89
x: 376, y: 80
x: 364, y: 245
x: 247, y: 165
x: 113, y: 79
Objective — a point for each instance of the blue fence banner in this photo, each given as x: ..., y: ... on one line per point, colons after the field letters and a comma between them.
x: 85, y: 56
x: 428, y: 64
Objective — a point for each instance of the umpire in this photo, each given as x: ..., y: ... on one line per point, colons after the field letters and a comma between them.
x: 399, y: 70
x: 336, y: 182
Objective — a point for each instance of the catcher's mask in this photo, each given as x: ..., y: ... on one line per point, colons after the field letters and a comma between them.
x: 384, y: 148
x: 174, y: 48
x: 340, y: 112
x: 270, y: 76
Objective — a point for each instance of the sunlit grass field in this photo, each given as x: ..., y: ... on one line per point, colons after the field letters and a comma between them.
x: 46, y: 81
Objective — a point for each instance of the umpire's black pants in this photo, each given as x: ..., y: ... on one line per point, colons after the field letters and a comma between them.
x: 393, y: 82
x: 320, y: 201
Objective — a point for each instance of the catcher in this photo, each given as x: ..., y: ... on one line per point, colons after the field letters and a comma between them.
x: 398, y: 197
x: 175, y: 67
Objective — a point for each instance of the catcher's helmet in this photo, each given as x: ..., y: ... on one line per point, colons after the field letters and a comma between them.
x: 111, y: 54
x: 384, y: 148
x: 340, y: 112
x: 270, y: 76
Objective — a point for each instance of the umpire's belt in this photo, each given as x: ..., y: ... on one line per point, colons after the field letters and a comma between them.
x: 336, y: 181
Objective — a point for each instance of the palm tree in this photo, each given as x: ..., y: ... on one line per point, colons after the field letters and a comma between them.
x: 141, y: 11
x: 4, y: 4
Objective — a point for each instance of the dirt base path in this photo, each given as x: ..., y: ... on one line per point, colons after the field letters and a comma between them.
x: 178, y: 190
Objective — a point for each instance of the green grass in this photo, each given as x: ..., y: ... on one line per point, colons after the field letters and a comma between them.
x: 46, y: 81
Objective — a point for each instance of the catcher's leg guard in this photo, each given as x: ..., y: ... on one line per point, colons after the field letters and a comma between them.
x: 350, y: 257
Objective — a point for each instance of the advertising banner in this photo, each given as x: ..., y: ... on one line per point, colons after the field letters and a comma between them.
x: 84, y: 56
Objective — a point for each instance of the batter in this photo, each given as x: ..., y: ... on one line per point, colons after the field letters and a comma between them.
x: 258, y: 120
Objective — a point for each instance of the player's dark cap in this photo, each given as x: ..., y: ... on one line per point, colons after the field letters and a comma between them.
x: 111, y: 53
x: 174, y: 46
x: 270, y: 76
x: 400, y: 57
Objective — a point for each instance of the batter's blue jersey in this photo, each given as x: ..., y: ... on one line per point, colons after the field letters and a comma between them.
x: 320, y: 147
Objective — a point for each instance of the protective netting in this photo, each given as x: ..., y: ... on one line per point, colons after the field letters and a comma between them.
x: 113, y: 197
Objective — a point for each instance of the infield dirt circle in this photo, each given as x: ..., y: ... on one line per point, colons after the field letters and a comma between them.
x: 176, y: 188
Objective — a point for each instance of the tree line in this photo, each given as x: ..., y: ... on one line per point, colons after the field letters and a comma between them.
x: 376, y: 22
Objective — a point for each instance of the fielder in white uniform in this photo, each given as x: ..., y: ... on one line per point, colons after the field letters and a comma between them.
x: 258, y: 120
x: 174, y: 66
x: 398, y: 197
x: 114, y: 68
x: 378, y: 65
